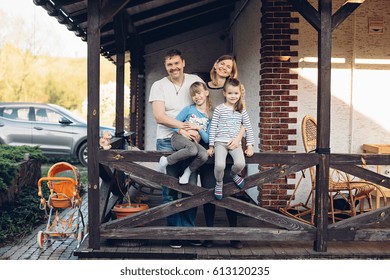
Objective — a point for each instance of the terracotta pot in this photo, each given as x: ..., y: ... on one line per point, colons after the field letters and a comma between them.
x: 123, y: 210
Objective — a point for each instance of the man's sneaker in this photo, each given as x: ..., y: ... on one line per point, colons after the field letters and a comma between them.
x: 236, y: 244
x: 175, y: 244
x: 208, y: 243
x: 195, y: 242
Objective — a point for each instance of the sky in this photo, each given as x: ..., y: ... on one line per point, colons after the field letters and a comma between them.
x: 39, y: 24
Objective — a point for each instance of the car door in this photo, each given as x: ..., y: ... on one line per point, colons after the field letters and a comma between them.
x: 15, y: 125
x: 50, y: 133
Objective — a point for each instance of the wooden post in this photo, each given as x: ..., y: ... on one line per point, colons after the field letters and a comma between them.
x: 93, y: 39
x: 324, y: 23
x: 134, y: 92
x: 323, y: 119
x: 120, y: 35
x: 137, y: 94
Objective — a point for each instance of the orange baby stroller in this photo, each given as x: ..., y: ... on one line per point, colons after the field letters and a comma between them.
x: 63, y: 181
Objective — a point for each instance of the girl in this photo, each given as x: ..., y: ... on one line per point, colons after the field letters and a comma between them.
x: 223, y: 68
x: 225, y: 125
x: 198, y: 117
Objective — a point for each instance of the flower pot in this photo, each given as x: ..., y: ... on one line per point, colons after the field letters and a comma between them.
x: 123, y: 210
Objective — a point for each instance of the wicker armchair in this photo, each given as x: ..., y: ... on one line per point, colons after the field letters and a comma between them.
x: 346, y: 189
x: 345, y: 192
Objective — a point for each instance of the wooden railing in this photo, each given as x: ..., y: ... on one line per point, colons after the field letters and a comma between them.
x: 280, y: 228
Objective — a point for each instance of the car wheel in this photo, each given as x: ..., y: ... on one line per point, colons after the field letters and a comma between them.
x: 82, y: 154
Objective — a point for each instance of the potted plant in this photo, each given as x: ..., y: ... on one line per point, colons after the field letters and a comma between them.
x: 127, y: 207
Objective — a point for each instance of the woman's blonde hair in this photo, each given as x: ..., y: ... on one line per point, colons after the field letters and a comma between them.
x: 240, y: 105
x: 197, y: 87
x: 233, y: 74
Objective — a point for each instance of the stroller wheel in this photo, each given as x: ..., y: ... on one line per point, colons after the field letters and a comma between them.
x: 41, y: 239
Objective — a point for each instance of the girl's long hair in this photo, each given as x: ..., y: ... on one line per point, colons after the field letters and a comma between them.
x: 233, y: 74
x: 198, y: 87
x: 240, y: 104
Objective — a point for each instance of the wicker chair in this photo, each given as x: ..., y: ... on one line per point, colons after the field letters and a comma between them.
x: 347, y: 190
x: 345, y: 193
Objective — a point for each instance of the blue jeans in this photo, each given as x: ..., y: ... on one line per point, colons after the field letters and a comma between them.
x: 187, y: 217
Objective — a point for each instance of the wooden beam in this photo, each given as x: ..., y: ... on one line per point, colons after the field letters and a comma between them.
x: 258, y: 158
x: 360, y: 159
x: 263, y: 214
x: 341, y: 14
x: 308, y: 12
x: 374, y: 235
x: 199, y: 196
x: 363, y: 220
x: 365, y: 174
x: 93, y: 63
x: 105, y: 194
x: 110, y: 9
x: 208, y: 233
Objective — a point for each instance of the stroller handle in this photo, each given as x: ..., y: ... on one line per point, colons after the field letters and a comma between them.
x: 53, y: 179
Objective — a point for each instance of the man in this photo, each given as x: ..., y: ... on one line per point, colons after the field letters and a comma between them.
x: 168, y: 97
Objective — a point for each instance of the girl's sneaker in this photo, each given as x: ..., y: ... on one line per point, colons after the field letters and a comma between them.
x: 239, y: 181
x: 162, y: 165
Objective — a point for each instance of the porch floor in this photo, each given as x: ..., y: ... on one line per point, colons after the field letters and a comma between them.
x: 159, y: 249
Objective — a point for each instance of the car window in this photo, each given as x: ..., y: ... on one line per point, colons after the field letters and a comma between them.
x: 46, y: 115
x: 21, y: 114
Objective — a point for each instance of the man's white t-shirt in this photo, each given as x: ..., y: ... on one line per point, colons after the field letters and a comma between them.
x: 164, y: 90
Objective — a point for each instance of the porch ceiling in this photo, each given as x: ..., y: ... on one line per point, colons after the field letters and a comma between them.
x: 147, y: 21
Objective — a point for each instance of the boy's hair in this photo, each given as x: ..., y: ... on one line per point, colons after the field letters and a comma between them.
x: 240, y: 104
x: 172, y: 53
x: 198, y: 87
x: 233, y: 74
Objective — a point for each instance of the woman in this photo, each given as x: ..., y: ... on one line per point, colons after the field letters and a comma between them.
x: 225, y: 67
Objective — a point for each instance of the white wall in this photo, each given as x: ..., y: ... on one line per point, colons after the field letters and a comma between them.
x: 360, y: 92
x: 245, y: 36
x: 246, y: 48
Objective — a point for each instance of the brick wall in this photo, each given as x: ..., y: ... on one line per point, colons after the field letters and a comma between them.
x: 278, y: 92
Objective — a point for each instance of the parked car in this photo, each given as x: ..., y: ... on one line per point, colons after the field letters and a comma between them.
x: 56, y: 130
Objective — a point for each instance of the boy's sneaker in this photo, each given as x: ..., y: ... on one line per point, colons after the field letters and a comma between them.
x: 175, y: 244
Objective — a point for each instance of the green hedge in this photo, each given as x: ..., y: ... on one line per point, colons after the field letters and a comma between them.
x: 21, y: 218
x: 9, y: 156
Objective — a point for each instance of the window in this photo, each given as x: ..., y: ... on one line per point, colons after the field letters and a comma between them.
x: 46, y: 115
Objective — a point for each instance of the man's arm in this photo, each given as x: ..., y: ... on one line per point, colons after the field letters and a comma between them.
x: 162, y: 118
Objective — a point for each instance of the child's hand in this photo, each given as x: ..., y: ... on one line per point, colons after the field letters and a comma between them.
x: 234, y: 143
x: 249, y: 151
x: 194, y: 126
x: 210, y: 151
